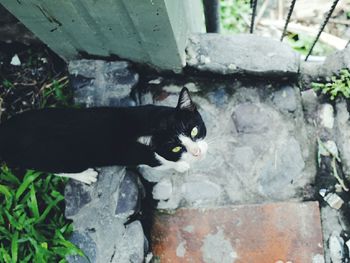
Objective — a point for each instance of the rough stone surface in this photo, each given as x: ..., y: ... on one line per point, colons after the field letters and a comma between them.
x: 228, y: 54
x: 83, y: 240
x: 128, y: 201
x: 342, y: 120
x: 101, y: 83
x: 259, y: 148
x: 112, y: 238
x: 335, y: 62
x: 76, y: 195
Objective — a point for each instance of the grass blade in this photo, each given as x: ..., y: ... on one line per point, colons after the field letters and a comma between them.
x: 5, y: 191
x: 28, y: 179
x: 14, y: 247
x: 33, y: 203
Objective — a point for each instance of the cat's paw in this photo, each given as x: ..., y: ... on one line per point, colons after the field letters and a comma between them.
x: 88, y: 176
x: 182, y: 166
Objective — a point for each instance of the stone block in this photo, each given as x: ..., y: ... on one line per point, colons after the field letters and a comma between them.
x: 100, y: 83
x: 243, y: 53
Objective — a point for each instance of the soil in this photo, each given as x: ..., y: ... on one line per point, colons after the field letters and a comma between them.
x: 33, y: 83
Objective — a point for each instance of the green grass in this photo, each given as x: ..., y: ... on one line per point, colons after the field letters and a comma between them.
x: 339, y: 86
x: 32, y: 223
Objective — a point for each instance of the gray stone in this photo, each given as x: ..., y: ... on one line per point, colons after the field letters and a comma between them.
x: 335, y: 62
x: 326, y: 116
x: 285, y: 99
x: 277, y: 174
x: 76, y: 196
x: 101, y: 83
x: 97, y: 218
x: 310, y: 104
x: 342, y: 137
x: 86, y: 244
x: 250, y: 118
x: 128, y: 201
x: 228, y: 54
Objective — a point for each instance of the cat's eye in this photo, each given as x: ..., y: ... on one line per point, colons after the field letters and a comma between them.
x: 194, y: 132
x: 176, y: 149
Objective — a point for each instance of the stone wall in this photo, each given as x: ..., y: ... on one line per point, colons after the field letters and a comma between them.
x: 263, y: 124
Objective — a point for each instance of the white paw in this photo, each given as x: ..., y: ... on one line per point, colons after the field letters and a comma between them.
x: 88, y: 176
x: 182, y: 166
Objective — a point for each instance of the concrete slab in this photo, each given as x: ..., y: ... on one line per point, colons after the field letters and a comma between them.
x: 265, y: 233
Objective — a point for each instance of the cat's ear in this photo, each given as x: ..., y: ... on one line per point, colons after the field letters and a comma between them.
x: 185, y: 102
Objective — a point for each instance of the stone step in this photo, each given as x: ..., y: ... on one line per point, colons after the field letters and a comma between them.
x: 265, y: 233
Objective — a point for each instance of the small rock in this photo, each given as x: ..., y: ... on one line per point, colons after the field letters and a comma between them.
x: 322, y: 192
x: 128, y: 202
x: 15, y: 61
x: 327, y: 116
x: 336, y: 247
x: 334, y: 200
x: 156, y: 81
x: 135, y: 242
x: 76, y: 196
x: 310, y: 103
x: 285, y: 99
x: 250, y: 118
x: 86, y: 244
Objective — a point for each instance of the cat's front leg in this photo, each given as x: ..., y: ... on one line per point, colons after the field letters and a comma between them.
x: 88, y: 176
x: 179, y: 166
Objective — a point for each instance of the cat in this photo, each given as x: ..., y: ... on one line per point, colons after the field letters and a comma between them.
x: 69, y: 142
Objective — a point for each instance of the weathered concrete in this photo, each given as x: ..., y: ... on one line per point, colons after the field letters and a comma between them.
x: 148, y: 32
x: 229, y: 54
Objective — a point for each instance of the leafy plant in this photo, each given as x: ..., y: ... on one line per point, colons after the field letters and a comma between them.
x: 339, y: 86
x: 32, y: 224
x: 233, y: 14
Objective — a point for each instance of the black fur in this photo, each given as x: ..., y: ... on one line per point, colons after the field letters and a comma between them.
x: 72, y: 140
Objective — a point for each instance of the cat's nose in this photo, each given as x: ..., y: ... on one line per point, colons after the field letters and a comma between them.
x: 196, y: 152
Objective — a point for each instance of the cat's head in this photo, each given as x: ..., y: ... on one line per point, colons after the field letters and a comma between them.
x: 184, y: 133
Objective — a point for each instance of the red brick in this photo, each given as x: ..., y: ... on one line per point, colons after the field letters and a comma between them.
x: 265, y: 233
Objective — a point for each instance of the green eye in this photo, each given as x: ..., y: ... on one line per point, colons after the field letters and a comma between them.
x: 176, y: 149
x: 194, y: 132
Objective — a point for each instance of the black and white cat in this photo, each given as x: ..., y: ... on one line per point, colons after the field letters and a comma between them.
x: 68, y: 142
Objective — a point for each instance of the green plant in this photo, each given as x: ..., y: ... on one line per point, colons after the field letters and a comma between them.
x: 7, y: 84
x: 56, y: 93
x: 235, y: 15
x: 32, y: 223
x: 302, y: 43
x: 339, y: 85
